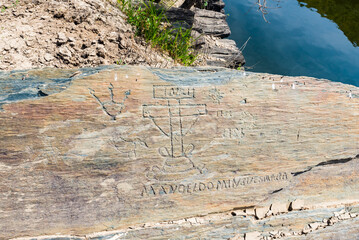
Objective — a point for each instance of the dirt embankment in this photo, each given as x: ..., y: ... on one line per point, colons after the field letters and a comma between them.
x: 69, y: 33
x: 88, y: 33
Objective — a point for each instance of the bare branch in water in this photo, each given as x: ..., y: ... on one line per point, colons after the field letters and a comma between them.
x: 263, y: 8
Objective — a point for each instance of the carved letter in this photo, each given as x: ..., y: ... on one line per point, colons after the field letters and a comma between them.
x: 202, y: 186
x: 208, y: 185
x: 173, y: 189
x: 188, y: 187
x: 152, y: 190
x: 234, y: 183
x: 284, y: 177
x: 162, y: 191
x: 194, y: 188
x: 144, y: 190
x: 249, y: 180
x: 272, y: 177
x: 224, y: 185
x: 181, y: 188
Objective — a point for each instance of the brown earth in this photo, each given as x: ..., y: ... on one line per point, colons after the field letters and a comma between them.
x: 70, y: 33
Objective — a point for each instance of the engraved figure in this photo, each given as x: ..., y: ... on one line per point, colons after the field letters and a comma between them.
x: 49, y: 155
x: 127, y: 145
x: 246, y: 120
x: 178, y: 163
x: 111, y: 107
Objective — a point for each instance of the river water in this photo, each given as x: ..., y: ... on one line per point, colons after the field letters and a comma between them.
x: 317, y: 38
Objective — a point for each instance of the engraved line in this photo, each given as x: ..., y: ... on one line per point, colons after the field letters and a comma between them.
x: 153, y: 120
x: 171, y: 127
x: 101, y: 104
x: 190, y: 128
x: 181, y: 127
x: 110, y: 88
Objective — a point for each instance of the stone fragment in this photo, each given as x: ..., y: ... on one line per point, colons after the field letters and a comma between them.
x: 314, y: 226
x: 224, y: 52
x: 297, y: 204
x: 277, y: 208
x: 237, y: 237
x: 6, y: 46
x: 337, y: 214
x: 261, y: 212
x: 307, y: 229
x: 14, y: 44
x: 30, y: 42
x: 252, y: 236
x: 269, y: 213
x: 191, y: 220
x: 89, y: 52
x: 71, y: 39
x: 211, y: 23
x: 332, y: 220
x: 181, y: 15
x: 48, y: 57
x: 113, y: 37
x: 101, y: 51
x: 344, y: 216
x: 250, y: 211
x: 217, y: 5
x: 61, y: 38
x: 64, y: 52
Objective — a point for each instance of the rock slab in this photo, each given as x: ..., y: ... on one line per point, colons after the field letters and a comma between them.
x: 135, y: 153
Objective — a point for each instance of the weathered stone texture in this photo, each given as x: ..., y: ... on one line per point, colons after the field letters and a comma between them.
x: 139, y: 153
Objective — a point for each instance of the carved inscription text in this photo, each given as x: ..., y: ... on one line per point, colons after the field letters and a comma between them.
x: 215, y: 185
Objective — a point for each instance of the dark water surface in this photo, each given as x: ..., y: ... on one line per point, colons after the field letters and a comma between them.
x: 317, y: 38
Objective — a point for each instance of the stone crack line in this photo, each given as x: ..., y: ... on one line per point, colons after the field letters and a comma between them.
x: 329, y: 162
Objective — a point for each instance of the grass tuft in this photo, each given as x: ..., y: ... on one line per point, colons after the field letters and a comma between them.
x: 151, y: 24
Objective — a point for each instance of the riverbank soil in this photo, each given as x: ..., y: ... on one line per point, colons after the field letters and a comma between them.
x: 68, y: 34
x: 88, y: 33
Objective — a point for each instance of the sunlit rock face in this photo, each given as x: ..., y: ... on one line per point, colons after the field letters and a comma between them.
x: 144, y: 153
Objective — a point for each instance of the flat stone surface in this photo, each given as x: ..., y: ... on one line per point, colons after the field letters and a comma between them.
x: 138, y: 153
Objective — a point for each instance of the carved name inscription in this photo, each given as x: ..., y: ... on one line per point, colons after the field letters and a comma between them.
x: 214, y: 185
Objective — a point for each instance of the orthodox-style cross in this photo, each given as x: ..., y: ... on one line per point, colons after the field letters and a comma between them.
x: 176, y: 112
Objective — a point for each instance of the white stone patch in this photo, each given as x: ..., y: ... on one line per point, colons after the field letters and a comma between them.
x: 124, y: 187
x: 107, y: 182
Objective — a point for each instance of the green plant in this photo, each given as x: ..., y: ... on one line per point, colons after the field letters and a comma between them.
x: 151, y: 23
x: 205, y: 3
x: 3, y: 8
x: 120, y: 62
